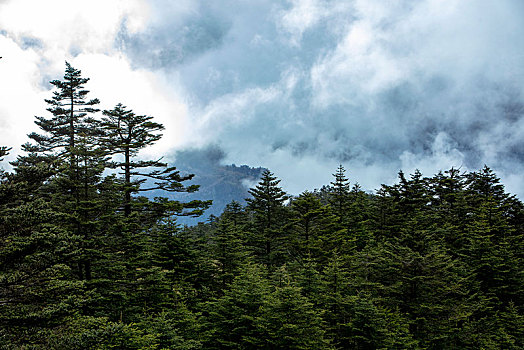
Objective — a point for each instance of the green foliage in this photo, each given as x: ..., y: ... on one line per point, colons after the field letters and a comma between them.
x: 231, y: 320
x: 313, y: 230
x: 339, y: 193
x: 99, y: 333
x: 177, y: 328
x: 88, y: 263
x: 269, y: 213
x: 287, y: 320
x: 3, y: 152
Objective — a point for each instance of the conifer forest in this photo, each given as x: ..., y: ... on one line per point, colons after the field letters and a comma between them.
x: 92, y: 257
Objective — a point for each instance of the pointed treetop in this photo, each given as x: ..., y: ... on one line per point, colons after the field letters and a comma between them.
x: 486, y: 183
x: 267, y: 190
x: 125, y: 129
x: 4, y: 151
x: 339, y: 192
x: 341, y: 181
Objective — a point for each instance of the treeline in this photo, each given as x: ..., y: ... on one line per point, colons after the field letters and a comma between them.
x: 88, y: 262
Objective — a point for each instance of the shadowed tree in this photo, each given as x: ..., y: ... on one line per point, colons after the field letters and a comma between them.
x: 126, y: 133
x: 315, y: 231
x: 339, y: 193
x: 69, y: 142
x: 70, y: 119
x: 267, y: 205
x: 3, y: 152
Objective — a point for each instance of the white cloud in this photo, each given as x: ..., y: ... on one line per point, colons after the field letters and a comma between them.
x: 22, y: 96
x: 394, y: 42
x: 237, y: 112
x: 113, y: 81
x: 443, y: 156
x: 89, y: 32
x: 64, y: 25
x: 172, y: 11
x: 304, y: 15
x: 296, y: 86
x: 359, y: 66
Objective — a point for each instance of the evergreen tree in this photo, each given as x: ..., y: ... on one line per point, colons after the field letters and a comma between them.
x: 267, y: 205
x: 3, y: 152
x: 228, y: 245
x: 359, y: 220
x: 235, y: 213
x: 450, y: 209
x: 340, y: 193
x: 493, y: 245
x: 314, y: 230
x: 178, y: 328
x: 69, y: 142
x: 126, y: 133
x: 287, y: 320
x: 70, y: 120
x: 231, y: 320
x: 38, y: 290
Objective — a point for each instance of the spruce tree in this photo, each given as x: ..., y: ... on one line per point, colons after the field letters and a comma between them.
x: 231, y: 320
x: 267, y: 206
x: 125, y: 134
x: 3, y: 152
x: 228, y: 246
x: 340, y: 193
x: 314, y: 230
x: 69, y: 141
x: 288, y: 320
x: 38, y: 290
x: 450, y: 208
x: 71, y: 118
x: 494, y: 241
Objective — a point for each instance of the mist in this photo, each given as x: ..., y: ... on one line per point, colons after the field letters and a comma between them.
x: 302, y: 86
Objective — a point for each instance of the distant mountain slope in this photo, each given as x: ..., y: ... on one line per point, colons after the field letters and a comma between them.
x: 220, y: 183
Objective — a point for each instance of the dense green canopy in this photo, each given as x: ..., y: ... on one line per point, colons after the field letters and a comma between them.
x: 87, y: 262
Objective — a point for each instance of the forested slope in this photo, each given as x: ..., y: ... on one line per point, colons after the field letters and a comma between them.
x: 88, y: 262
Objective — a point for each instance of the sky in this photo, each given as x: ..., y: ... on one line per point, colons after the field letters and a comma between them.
x: 295, y: 86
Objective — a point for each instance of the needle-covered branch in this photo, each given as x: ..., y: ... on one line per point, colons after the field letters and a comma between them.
x: 4, y: 151
x: 125, y: 134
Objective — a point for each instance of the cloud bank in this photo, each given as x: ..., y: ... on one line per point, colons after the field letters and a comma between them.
x: 298, y: 86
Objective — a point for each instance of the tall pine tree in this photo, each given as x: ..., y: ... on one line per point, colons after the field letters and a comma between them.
x: 125, y: 134
x: 69, y: 140
x: 267, y: 206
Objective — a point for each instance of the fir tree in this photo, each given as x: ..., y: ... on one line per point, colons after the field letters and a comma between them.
x: 3, y: 152
x: 314, y: 230
x: 70, y: 119
x: 228, y: 245
x: 231, y: 320
x: 69, y: 142
x: 267, y: 205
x: 126, y: 133
x: 340, y: 193
x: 288, y: 320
